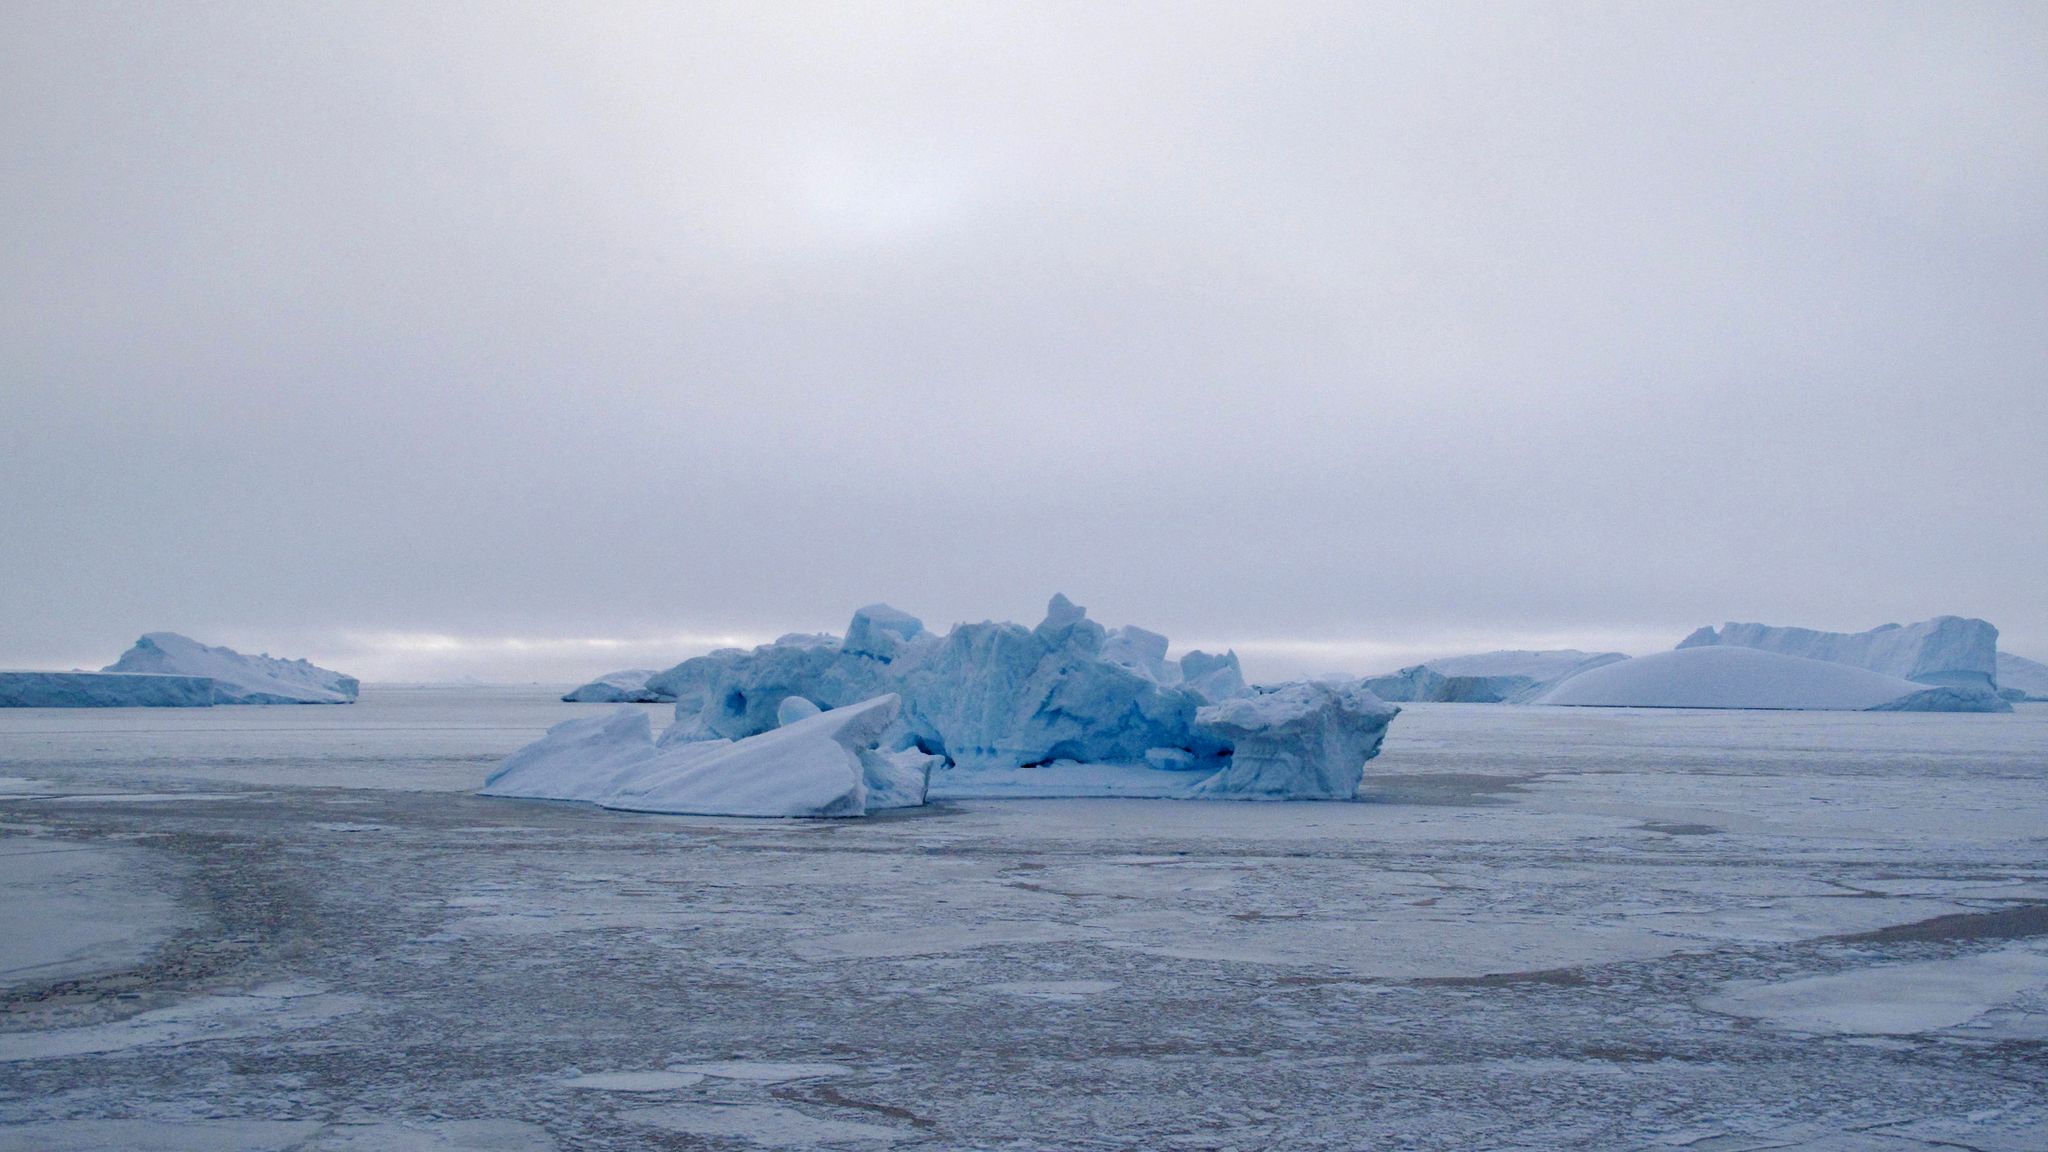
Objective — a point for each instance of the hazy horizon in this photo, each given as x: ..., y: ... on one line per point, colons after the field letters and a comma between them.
x: 464, y: 342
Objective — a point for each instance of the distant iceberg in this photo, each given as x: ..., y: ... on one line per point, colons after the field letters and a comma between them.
x: 2022, y: 679
x: 1950, y: 651
x: 1066, y: 708
x: 1754, y: 678
x: 166, y: 670
x: 237, y: 679
x: 1487, y: 677
x: 628, y: 687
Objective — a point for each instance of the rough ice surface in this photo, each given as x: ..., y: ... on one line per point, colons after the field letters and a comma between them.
x: 1301, y: 741
x: 1949, y: 651
x: 2022, y: 679
x: 1534, y: 938
x: 627, y: 687
x: 1736, y: 677
x: 1487, y: 677
x: 103, y: 690
x: 814, y: 766
x: 237, y: 679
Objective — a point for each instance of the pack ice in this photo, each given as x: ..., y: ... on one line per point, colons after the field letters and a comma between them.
x: 1066, y: 708
x: 1739, y: 677
x: 1487, y: 677
x: 166, y: 670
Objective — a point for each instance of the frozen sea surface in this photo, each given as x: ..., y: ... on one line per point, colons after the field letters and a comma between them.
x: 1551, y: 928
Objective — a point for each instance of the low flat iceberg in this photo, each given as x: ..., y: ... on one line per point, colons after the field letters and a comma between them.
x: 1065, y: 708
x: 237, y: 679
x: 1511, y: 676
x: 103, y: 690
x: 627, y: 687
x: 1753, y: 678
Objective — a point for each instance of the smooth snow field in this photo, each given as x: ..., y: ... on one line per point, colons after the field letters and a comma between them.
x: 1548, y: 928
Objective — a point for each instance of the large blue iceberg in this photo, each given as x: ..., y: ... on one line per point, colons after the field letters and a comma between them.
x: 1066, y: 708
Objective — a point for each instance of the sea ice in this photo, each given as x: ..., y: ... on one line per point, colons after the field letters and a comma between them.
x: 627, y: 687
x: 1948, y: 651
x: 1740, y: 677
x: 237, y: 679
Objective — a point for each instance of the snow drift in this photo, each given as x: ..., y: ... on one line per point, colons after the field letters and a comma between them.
x: 1487, y: 677
x: 1066, y: 708
x: 237, y: 679
x: 1738, y: 677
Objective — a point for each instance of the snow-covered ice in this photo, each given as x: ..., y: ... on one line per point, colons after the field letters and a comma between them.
x: 237, y: 679
x: 626, y: 687
x: 1754, y: 678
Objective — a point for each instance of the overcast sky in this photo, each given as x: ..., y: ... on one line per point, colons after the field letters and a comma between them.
x: 519, y: 341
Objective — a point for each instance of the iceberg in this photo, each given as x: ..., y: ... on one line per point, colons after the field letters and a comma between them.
x: 237, y: 679
x: 627, y: 687
x: 104, y: 690
x: 166, y: 670
x: 1487, y: 677
x: 1949, y: 651
x: 1064, y: 708
x: 820, y: 765
x: 1754, y: 678
x: 2022, y: 679
x: 1308, y: 740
